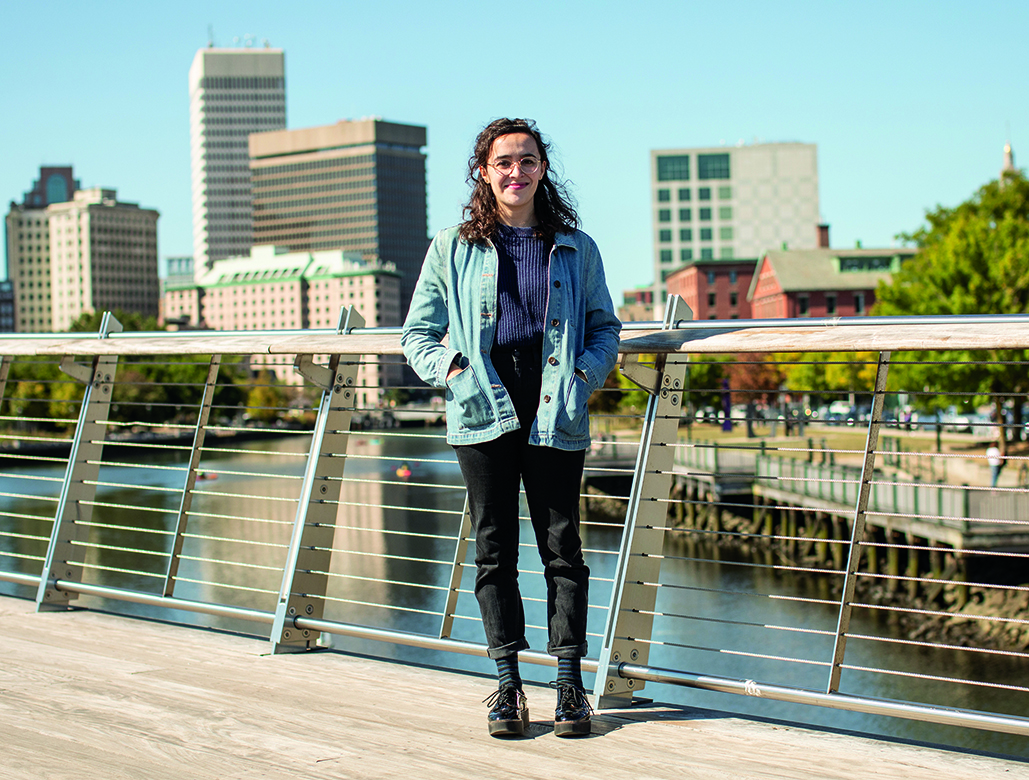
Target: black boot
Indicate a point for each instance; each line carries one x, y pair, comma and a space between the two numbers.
572, 716
509, 712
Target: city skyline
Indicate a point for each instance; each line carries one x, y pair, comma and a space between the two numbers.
909, 104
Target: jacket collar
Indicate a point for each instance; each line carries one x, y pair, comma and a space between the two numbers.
565, 239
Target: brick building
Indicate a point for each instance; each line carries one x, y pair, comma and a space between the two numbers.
714, 289
821, 282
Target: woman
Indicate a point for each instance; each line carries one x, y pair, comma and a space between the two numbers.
532, 333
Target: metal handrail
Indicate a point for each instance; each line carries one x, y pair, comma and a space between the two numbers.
671, 341
712, 336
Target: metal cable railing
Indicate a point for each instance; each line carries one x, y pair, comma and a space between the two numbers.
744, 524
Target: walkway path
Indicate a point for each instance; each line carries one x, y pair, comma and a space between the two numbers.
84, 694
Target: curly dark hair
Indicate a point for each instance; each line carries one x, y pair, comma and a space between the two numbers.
553, 205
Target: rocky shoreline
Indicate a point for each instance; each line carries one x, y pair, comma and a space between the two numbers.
990, 616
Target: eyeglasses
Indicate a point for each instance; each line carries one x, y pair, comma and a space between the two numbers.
527, 165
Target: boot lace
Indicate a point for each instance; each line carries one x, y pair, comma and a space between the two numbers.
571, 696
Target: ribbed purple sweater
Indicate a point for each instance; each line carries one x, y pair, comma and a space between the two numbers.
522, 281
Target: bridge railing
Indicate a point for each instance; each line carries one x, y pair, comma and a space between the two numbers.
133, 473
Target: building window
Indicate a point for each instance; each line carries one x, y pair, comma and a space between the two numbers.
704, 193
712, 166
707, 254
686, 254
673, 168
734, 298
725, 212
664, 196
726, 253
705, 234
56, 189
724, 193
830, 305
685, 193
733, 277
686, 234
859, 303
705, 215
666, 236
864, 264
725, 233
664, 215
666, 255
802, 306
685, 215
711, 277
710, 299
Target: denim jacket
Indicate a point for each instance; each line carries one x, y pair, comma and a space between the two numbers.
457, 293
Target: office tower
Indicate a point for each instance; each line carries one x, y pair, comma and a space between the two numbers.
103, 256
731, 202
358, 186
232, 93
28, 248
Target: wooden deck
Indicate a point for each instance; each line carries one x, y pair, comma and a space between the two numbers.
85, 694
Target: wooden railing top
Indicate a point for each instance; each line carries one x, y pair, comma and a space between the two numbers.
713, 337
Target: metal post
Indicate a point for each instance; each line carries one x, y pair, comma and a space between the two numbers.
74, 506
629, 622
457, 572
305, 578
186, 501
857, 530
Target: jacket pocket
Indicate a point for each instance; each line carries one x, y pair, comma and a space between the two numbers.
466, 403
575, 422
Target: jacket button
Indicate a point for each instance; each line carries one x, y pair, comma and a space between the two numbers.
552, 361
555, 322
546, 399
557, 283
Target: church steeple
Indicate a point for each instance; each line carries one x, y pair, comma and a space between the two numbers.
1009, 161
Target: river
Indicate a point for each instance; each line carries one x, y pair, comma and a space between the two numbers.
396, 547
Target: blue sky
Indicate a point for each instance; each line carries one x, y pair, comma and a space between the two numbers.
909, 102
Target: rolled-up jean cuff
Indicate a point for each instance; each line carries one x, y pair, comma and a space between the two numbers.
507, 650
567, 651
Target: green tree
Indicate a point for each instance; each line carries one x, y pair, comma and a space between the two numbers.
973, 259
704, 375
829, 373
267, 399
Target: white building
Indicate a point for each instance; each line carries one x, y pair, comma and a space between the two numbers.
28, 249
103, 257
232, 93
28, 268
731, 202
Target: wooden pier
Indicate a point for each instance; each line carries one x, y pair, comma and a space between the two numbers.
86, 694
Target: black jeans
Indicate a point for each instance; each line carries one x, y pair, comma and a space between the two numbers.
552, 478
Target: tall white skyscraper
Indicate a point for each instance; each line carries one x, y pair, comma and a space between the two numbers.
232, 93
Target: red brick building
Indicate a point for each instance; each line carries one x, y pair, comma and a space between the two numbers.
821, 282
715, 289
